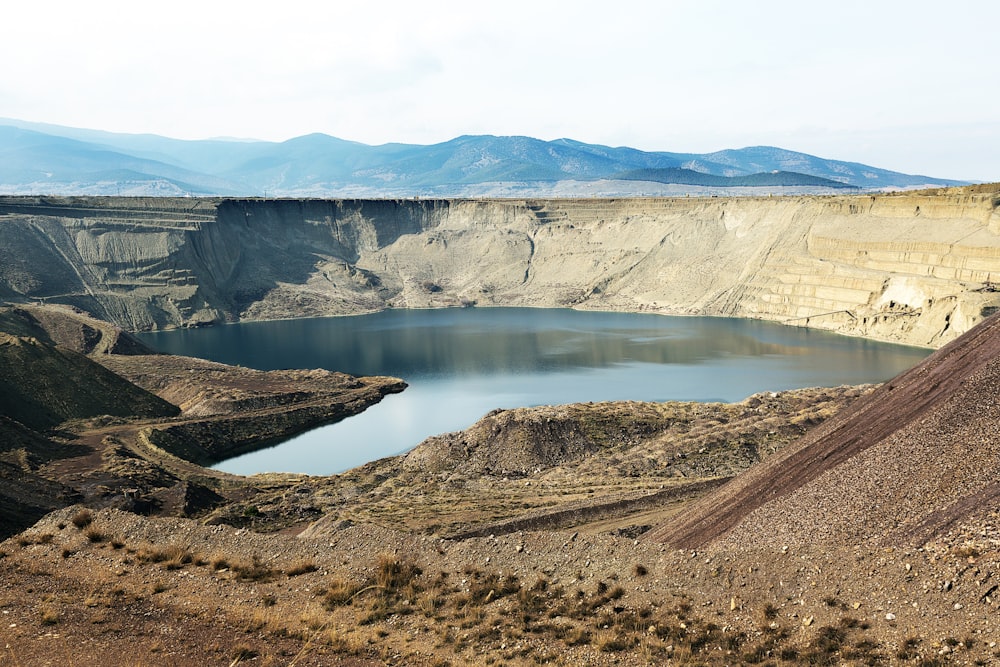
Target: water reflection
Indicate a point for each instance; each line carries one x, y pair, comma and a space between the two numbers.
451, 342
461, 363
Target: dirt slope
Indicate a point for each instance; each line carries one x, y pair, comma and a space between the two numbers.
914, 267
81, 421
901, 464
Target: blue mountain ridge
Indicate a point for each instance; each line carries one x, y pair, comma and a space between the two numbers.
49, 159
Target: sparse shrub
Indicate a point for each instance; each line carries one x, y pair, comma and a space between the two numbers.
176, 557
770, 612
486, 589
82, 519
269, 600
640, 570
533, 598
219, 562
612, 643
253, 571
28, 539
149, 553
173, 556
755, 655
908, 649
302, 567
256, 623
827, 642
340, 642
95, 535
49, 615
117, 543
578, 637
391, 573
864, 652
789, 654
339, 593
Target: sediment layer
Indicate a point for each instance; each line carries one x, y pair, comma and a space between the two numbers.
917, 268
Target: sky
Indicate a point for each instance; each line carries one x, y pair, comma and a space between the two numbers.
908, 86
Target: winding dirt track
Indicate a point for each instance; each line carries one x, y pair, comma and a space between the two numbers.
902, 401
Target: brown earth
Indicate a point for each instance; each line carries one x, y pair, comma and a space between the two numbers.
857, 535
81, 423
921, 448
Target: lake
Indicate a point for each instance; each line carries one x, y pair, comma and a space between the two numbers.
462, 363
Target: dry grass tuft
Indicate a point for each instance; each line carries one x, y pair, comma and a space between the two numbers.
49, 616
339, 593
392, 574
95, 535
173, 556
302, 567
82, 519
253, 570
218, 562
29, 539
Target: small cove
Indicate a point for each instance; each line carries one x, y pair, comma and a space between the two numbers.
462, 363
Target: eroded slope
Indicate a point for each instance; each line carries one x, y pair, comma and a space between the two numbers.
911, 267
902, 465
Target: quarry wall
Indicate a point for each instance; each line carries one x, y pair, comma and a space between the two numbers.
916, 267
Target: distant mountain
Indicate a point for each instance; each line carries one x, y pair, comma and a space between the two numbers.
762, 179
53, 164
47, 159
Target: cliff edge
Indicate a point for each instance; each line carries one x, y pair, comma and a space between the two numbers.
914, 267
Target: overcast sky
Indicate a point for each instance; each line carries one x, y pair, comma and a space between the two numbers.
909, 86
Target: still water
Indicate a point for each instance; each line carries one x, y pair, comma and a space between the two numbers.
462, 363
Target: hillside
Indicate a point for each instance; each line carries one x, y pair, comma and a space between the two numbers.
47, 159
42, 386
87, 414
820, 526
908, 463
917, 268
774, 179
526, 539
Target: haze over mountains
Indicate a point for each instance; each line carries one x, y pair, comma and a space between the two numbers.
48, 159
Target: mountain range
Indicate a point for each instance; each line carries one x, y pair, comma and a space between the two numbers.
48, 159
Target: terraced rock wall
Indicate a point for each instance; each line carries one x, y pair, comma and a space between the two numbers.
917, 268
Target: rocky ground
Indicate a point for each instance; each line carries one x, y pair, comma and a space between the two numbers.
569, 535
135, 437
82, 588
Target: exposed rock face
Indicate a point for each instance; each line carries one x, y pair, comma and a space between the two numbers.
913, 267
